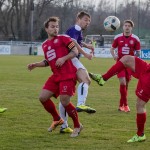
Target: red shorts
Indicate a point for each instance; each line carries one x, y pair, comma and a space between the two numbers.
66, 87
143, 86
125, 73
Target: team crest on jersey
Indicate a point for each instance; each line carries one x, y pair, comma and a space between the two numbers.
49, 47
131, 41
56, 41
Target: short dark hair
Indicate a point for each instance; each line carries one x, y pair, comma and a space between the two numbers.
51, 19
129, 21
82, 14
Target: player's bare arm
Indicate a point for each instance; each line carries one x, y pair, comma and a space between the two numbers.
73, 53
89, 46
89, 56
137, 53
43, 63
112, 51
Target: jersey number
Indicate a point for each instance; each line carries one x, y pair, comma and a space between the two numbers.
51, 54
125, 50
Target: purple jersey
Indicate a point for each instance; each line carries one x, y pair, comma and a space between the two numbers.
75, 32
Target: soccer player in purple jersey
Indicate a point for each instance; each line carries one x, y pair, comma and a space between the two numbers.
75, 32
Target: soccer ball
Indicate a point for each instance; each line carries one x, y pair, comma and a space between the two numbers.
111, 23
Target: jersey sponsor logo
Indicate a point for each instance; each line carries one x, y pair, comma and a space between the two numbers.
125, 50
51, 54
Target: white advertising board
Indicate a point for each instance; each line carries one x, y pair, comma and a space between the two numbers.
101, 52
5, 49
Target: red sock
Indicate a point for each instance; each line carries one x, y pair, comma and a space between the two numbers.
71, 110
115, 69
140, 121
50, 107
123, 94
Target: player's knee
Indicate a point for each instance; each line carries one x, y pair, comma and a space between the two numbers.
140, 107
125, 59
88, 81
42, 98
85, 78
65, 99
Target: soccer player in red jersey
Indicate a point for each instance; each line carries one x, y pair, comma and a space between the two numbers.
140, 70
125, 43
58, 50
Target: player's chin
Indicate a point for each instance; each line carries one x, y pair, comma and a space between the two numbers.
84, 28
55, 34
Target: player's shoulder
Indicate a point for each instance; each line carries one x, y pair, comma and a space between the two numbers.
135, 37
75, 28
63, 36
44, 42
118, 36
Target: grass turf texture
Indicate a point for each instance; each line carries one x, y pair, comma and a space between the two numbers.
24, 125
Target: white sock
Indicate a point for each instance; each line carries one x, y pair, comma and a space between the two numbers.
63, 115
82, 93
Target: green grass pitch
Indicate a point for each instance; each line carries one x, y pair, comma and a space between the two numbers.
24, 125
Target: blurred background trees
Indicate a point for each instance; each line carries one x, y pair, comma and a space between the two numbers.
23, 19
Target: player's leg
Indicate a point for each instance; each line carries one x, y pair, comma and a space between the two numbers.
143, 96
140, 121
49, 106
2, 110
125, 62
51, 89
65, 96
84, 81
123, 79
63, 114
123, 92
71, 110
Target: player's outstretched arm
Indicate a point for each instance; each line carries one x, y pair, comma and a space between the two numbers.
80, 50
43, 63
89, 46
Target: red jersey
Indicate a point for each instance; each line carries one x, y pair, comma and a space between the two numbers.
56, 48
126, 45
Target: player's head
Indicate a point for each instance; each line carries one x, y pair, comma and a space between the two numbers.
83, 19
52, 26
127, 26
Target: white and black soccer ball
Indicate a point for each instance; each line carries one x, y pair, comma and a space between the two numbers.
111, 23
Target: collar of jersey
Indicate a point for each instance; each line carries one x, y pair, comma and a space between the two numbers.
77, 27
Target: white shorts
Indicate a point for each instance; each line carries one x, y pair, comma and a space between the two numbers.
77, 63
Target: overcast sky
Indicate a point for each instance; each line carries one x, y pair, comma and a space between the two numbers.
118, 1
